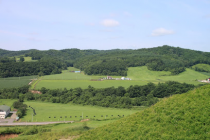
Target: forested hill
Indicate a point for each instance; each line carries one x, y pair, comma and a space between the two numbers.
6, 53
116, 62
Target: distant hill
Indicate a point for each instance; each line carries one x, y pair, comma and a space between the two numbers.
116, 62
184, 116
6, 53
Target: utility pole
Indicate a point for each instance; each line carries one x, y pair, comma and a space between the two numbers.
32, 117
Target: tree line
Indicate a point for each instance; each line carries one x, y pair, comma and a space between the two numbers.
119, 97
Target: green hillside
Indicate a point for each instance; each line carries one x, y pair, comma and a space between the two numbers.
142, 73
201, 67
184, 116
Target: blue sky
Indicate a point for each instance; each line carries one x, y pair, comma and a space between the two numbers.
104, 24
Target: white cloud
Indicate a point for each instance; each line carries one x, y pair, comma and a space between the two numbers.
110, 23
161, 32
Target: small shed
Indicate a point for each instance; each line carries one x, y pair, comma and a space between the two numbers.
77, 71
4, 111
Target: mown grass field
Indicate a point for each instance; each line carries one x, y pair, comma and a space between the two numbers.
139, 76
13, 82
44, 110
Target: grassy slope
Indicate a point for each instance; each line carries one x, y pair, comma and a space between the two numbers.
142, 73
139, 76
184, 116
205, 67
44, 110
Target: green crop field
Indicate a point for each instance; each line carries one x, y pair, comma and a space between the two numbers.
44, 110
13, 82
139, 76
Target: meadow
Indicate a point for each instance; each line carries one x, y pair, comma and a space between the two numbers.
46, 111
139, 76
13, 82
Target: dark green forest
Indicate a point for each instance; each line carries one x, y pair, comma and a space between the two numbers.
11, 68
120, 97
101, 62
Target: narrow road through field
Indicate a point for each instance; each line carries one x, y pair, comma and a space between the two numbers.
32, 123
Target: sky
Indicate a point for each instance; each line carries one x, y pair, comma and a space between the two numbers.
104, 24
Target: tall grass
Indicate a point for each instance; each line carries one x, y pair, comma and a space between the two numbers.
184, 116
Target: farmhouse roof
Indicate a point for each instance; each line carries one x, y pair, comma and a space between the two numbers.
4, 107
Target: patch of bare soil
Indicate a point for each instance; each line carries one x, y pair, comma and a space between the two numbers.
85, 120
35, 92
8, 136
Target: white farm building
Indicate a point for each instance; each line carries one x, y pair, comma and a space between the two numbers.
4, 111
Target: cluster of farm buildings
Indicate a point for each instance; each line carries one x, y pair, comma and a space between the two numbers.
205, 81
110, 78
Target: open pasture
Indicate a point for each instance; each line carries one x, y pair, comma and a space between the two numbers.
54, 84
44, 110
142, 73
139, 76
13, 82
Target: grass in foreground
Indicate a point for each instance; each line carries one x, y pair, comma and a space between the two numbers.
54, 131
184, 116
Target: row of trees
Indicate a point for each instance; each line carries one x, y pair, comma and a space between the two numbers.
120, 97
